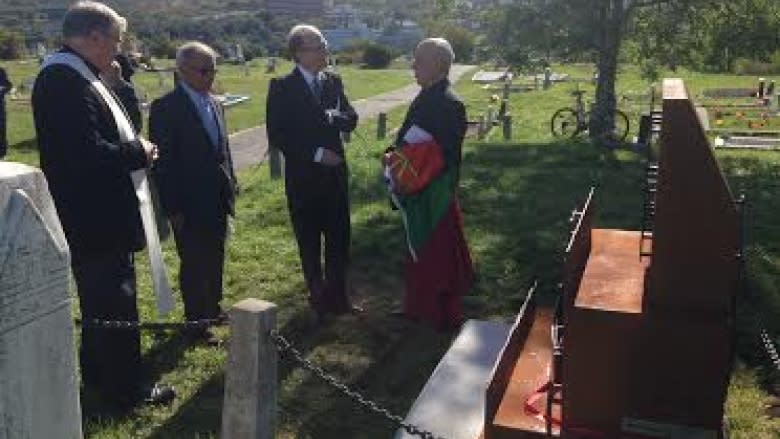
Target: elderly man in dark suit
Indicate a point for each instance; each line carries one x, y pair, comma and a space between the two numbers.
307, 111
439, 270
87, 151
195, 179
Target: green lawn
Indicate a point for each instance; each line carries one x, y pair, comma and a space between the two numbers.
516, 199
359, 83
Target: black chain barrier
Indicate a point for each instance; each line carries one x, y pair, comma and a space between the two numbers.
150, 326
766, 339
770, 348
285, 347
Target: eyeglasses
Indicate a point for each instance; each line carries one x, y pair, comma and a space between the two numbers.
322, 47
204, 71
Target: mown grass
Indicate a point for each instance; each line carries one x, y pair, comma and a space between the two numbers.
359, 83
516, 197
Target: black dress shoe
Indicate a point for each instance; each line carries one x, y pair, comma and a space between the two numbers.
158, 394
348, 309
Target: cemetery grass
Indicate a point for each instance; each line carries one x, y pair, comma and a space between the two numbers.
359, 83
516, 198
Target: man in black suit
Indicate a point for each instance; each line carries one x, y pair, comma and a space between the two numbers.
5, 87
195, 178
119, 78
82, 132
307, 111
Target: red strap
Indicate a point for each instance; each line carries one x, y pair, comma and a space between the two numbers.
530, 405
577, 431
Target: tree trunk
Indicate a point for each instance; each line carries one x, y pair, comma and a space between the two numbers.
602, 116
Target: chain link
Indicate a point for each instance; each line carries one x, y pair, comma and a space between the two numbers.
770, 348
152, 326
286, 347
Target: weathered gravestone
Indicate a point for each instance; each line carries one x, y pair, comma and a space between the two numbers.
38, 386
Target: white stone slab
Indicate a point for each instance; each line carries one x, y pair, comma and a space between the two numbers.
747, 142
38, 386
452, 403
484, 77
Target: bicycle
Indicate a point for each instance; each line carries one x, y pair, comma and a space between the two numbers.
569, 122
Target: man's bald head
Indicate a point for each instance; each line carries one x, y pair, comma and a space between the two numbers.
433, 58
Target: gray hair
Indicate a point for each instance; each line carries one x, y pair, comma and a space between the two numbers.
86, 16
193, 49
297, 38
442, 51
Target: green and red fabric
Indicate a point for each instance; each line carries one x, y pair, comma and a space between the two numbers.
439, 270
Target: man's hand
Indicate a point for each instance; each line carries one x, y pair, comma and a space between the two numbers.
330, 158
150, 149
331, 114
113, 76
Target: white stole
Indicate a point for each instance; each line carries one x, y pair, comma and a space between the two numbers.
162, 289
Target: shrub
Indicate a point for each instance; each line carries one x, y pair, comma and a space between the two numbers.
376, 56
745, 66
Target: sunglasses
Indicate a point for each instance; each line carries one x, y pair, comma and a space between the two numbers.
317, 48
205, 71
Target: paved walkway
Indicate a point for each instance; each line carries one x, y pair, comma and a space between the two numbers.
250, 146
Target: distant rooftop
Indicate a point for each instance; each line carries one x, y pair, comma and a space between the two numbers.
296, 8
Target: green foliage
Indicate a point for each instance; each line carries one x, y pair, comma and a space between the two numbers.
11, 44
461, 39
738, 36
745, 66
377, 56
352, 53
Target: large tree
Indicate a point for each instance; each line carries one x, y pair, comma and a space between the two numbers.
565, 28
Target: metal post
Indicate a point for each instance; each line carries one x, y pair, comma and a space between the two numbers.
508, 127
250, 405
482, 127
275, 161
381, 126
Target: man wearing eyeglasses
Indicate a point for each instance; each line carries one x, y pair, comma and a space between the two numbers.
88, 150
196, 183
307, 111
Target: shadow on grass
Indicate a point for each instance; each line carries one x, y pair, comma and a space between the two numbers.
516, 201
201, 414
756, 175
25, 145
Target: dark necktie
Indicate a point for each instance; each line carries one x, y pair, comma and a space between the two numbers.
316, 88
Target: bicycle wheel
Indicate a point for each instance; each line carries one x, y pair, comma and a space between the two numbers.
620, 129
564, 123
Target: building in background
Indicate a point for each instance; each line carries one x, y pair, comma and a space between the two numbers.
296, 8
344, 25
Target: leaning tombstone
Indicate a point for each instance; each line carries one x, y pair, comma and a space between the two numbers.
39, 396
